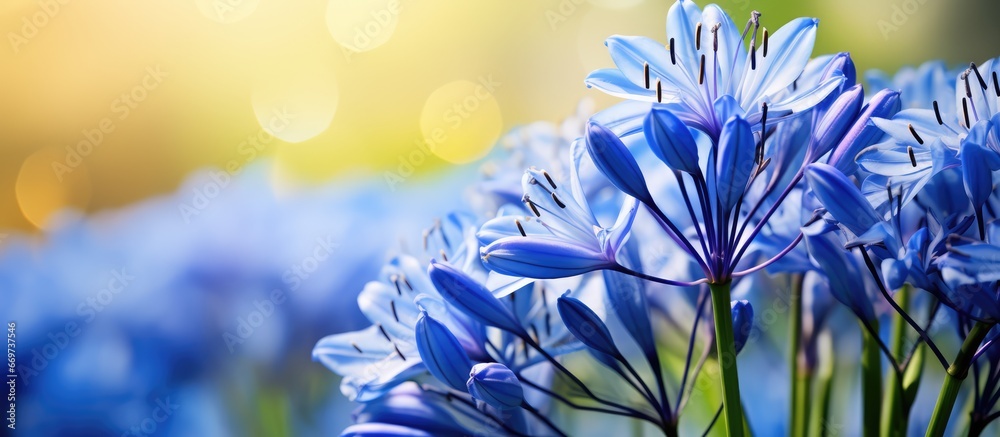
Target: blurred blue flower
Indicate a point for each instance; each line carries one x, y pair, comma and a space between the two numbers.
496, 385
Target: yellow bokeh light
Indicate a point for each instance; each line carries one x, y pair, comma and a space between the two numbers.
461, 120
362, 25
49, 181
297, 107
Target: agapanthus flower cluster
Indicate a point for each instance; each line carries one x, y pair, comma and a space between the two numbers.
738, 159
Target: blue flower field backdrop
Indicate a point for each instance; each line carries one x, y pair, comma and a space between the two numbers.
401, 218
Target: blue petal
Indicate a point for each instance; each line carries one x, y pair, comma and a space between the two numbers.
732, 55
742, 322
627, 297
736, 161
586, 326
409, 408
840, 268
367, 361
613, 82
978, 165
671, 141
790, 49
443, 355
496, 385
863, 133
632, 53
383, 430
542, 258
681, 21
841, 198
615, 161
472, 298
843, 112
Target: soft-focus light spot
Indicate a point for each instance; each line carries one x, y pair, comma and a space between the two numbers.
461, 121
296, 109
227, 11
50, 180
362, 25
616, 4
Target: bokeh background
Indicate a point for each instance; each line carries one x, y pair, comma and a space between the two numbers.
215, 149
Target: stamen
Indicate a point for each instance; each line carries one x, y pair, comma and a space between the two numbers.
996, 85
645, 71
715, 37
659, 91
982, 82
764, 53
357, 348
914, 133
937, 112
558, 202
395, 280
965, 109
534, 331
427, 234
697, 37
968, 89
444, 256
395, 315
546, 174
398, 352
762, 167
913, 157
548, 326
753, 56
888, 190
407, 282
673, 58
701, 75
520, 228
531, 205
384, 334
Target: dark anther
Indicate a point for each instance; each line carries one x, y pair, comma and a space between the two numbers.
645, 71
357, 348
548, 326
937, 112
534, 330
531, 205
398, 352
697, 37
407, 282
763, 166
395, 280
965, 110
914, 133
753, 56
384, 334
968, 89
395, 315
659, 91
982, 82
444, 256
764, 52
520, 228
549, 178
996, 85
913, 157
558, 202
673, 58
427, 233
701, 75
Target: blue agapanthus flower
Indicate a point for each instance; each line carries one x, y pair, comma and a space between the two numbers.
705, 73
926, 140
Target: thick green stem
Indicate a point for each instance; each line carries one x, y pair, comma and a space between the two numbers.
726, 348
799, 395
871, 382
894, 409
957, 372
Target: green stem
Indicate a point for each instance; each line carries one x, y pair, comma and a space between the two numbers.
953, 379
871, 382
799, 390
821, 426
894, 409
726, 349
